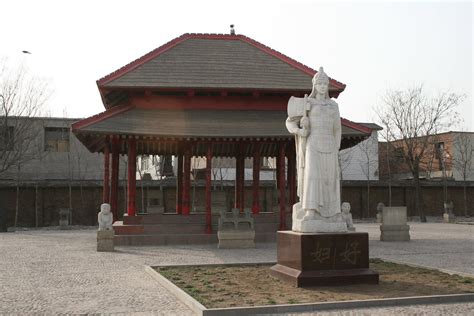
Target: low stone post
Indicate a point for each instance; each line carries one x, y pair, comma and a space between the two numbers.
394, 224
380, 207
105, 234
448, 216
64, 218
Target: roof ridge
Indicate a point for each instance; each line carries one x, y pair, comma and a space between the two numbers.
287, 59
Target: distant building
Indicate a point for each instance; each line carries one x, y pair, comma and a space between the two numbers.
54, 153
361, 162
442, 159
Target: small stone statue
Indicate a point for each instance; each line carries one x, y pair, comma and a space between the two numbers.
105, 217
380, 207
346, 214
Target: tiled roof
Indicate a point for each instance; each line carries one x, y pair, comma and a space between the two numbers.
214, 61
199, 123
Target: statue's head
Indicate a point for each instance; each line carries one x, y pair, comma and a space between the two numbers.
380, 207
346, 207
105, 208
320, 84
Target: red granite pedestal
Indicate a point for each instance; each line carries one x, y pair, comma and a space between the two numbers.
321, 259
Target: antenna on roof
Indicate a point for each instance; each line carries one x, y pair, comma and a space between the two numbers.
232, 31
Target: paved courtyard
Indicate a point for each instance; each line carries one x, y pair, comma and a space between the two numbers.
51, 272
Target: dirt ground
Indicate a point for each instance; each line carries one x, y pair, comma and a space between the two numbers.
252, 285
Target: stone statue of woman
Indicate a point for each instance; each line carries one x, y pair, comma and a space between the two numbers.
316, 124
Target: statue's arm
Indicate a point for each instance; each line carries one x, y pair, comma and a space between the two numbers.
293, 126
337, 128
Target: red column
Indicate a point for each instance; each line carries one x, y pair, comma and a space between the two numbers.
179, 185
186, 181
256, 180
208, 190
131, 177
239, 179
106, 187
291, 178
281, 186
114, 177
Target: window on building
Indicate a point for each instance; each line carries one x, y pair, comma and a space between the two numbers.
6, 138
56, 139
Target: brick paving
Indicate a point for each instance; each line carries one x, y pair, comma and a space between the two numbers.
59, 272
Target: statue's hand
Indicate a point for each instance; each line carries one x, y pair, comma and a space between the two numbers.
304, 122
303, 132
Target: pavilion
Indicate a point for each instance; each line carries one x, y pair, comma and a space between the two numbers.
207, 95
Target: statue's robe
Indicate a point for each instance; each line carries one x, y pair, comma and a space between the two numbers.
317, 154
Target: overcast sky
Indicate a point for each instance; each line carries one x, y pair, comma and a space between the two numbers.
369, 46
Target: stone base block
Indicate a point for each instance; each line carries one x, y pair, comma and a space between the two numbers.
320, 224
236, 238
105, 240
321, 259
395, 232
449, 218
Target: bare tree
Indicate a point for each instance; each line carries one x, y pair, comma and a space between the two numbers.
368, 162
22, 96
463, 160
412, 119
344, 159
388, 162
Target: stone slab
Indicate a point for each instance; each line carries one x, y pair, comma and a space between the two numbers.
319, 259
394, 215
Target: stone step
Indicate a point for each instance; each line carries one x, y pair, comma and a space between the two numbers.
179, 239
192, 218
188, 228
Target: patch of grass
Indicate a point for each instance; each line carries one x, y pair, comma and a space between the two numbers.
252, 285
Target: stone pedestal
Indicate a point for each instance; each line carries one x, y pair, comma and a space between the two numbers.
394, 224
449, 218
64, 218
322, 259
395, 233
236, 238
105, 240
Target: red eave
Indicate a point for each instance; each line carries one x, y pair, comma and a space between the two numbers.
101, 116
357, 127
156, 52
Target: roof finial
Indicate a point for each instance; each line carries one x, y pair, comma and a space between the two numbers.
232, 31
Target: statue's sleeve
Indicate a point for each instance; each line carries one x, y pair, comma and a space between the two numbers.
337, 128
292, 124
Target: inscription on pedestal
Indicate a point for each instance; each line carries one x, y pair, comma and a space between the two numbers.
323, 258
